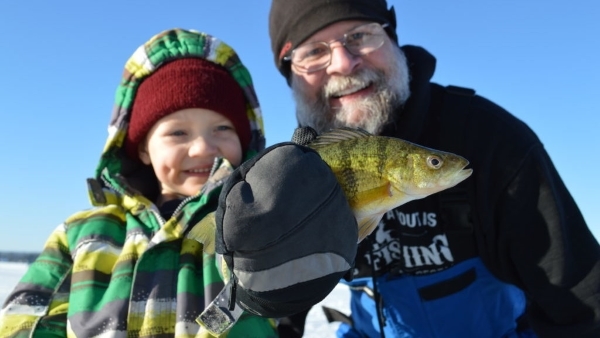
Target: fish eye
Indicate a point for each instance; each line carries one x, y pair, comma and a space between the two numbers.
434, 162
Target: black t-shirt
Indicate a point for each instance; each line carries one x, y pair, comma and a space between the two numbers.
169, 207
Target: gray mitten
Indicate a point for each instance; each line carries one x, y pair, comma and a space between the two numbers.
285, 230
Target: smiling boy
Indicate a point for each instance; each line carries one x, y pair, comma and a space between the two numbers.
187, 113
125, 268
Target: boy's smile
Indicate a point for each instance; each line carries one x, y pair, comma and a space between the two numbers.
182, 146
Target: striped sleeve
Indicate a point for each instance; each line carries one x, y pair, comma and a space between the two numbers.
40, 299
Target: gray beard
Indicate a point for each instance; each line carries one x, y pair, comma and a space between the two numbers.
391, 90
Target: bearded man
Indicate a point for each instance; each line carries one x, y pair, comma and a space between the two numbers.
506, 253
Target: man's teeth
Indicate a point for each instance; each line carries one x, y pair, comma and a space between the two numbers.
348, 91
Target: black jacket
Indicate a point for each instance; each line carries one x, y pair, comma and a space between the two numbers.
527, 228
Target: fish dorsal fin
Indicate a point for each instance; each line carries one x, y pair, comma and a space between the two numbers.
338, 135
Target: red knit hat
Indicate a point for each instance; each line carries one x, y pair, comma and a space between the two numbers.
181, 84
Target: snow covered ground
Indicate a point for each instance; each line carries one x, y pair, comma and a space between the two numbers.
316, 324
10, 273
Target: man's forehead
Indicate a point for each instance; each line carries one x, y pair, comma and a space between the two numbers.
335, 30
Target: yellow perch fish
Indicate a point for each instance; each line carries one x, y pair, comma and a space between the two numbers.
378, 173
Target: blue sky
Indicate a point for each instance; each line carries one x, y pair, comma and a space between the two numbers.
61, 61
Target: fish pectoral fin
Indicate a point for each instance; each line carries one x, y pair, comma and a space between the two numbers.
364, 198
204, 232
367, 225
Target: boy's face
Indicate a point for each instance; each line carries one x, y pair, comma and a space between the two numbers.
182, 146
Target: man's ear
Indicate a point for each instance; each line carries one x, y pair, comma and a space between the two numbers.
143, 153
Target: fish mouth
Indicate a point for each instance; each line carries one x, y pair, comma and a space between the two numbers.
458, 176
465, 173
462, 174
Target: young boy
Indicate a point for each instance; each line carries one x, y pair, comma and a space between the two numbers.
125, 268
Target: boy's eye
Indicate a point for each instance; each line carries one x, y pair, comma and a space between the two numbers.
224, 128
177, 133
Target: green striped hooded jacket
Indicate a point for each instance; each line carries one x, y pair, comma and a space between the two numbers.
119, 269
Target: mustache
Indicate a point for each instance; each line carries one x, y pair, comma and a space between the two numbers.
363, 78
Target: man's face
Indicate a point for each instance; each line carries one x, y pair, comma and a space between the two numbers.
353, 91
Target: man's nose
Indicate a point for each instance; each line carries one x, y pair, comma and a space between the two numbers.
342, 61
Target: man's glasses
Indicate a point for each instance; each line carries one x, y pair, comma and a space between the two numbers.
361, 40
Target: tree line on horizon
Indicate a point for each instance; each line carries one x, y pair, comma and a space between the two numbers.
18, 257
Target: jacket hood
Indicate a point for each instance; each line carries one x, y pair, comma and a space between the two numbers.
115, 170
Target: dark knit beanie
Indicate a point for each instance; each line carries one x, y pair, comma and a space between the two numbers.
181, 84
292, 22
